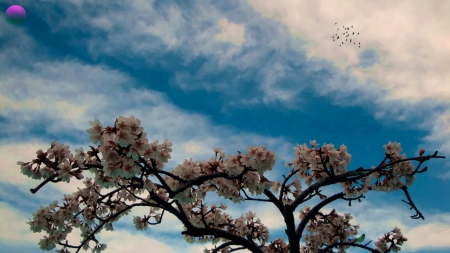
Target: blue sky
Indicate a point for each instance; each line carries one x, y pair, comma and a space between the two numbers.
231, 74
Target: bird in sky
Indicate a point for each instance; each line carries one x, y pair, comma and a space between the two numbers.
352, 26
335, 23
358, 33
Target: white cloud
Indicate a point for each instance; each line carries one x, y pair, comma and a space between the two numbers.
124, 241
231, 32
428, 236
14, 226
192, 148
266, 211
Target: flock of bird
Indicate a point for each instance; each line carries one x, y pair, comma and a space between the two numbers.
346, 34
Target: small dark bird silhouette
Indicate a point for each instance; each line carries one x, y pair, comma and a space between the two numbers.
354, 43
338, 29
342, 42
353, 33
360, 43
352, 26
359, 46
345, 39
333, 40
358, 33
338, 37
335, 23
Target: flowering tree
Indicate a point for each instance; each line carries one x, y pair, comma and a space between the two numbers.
130, 166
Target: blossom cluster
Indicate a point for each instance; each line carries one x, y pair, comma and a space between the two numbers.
394, 237
327, 229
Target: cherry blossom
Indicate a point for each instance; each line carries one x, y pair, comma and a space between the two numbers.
132, 166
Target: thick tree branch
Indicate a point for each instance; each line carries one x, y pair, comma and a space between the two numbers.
195, 231
294, 240
294, 244
223, 245
236, 249
329, 247
274, 200
313, 212
238, 240
203, 178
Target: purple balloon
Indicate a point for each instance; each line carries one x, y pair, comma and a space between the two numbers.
15, 15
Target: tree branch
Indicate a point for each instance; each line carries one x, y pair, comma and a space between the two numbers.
418, 214
255, 199
44, 183
313, 212
100, 226
329, 247
223, 245
250, 245
283, 185
355, 175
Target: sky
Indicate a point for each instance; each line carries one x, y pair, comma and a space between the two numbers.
230, 74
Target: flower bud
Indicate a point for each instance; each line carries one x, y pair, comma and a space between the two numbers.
421, 152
